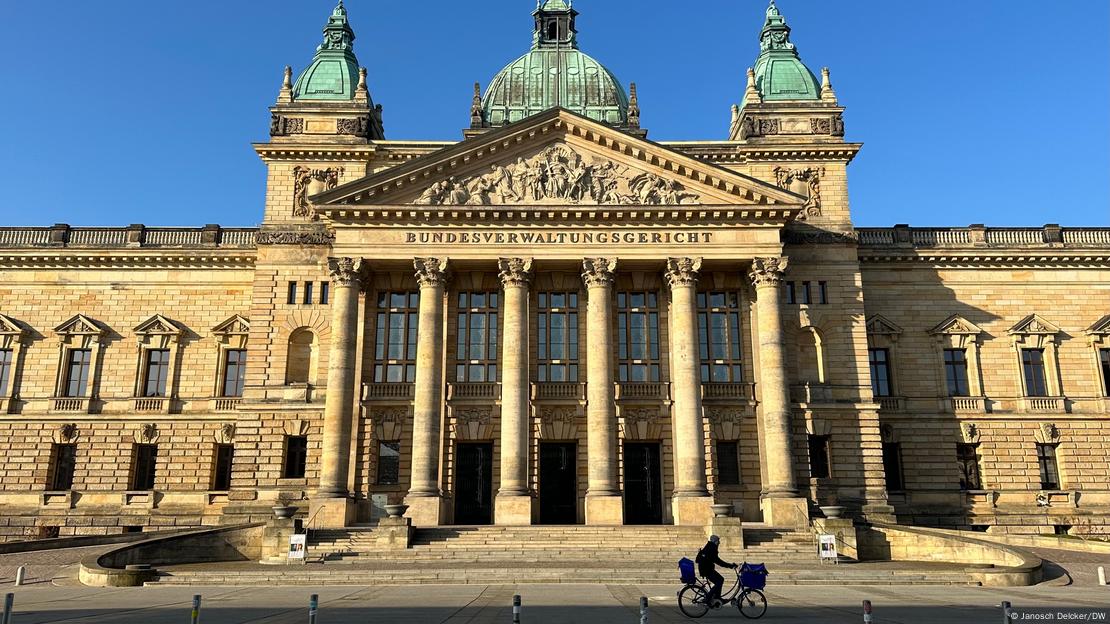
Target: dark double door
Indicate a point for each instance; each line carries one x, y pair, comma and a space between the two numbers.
643, 488
558, 483
474, 483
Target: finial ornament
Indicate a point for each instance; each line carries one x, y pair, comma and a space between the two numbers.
287, 80
827, 92
751, 91
633, 108
476, 117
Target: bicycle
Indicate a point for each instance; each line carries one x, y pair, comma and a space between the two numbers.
750, 601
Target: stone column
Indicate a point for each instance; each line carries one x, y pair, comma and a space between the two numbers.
513, 505
691, 502
603, 494
333, 507
781, 505
424, 497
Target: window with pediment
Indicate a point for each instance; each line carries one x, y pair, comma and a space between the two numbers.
80, 348
882, 351
1098, 336
12, 337
1035, 342
159, 343
958, 341
231, 356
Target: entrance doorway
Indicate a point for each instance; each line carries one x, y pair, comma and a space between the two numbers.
474, 483
558, 485
643, 487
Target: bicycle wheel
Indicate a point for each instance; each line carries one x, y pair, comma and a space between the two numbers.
691, 601
752, 604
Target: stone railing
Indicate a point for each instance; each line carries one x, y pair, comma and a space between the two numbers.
388, 391
554, 390
981, 236
712, 390
473, 390
225, 404
138, 235
647, 390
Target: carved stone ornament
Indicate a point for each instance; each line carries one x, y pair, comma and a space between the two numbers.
886, 432
768, 126
811, 176
295, 427
1049, 433
226, 433
515, 271
820, 125
303, 179
724, 415
814, 236
767, 271
747, 127
641, 423
358, 126
837, 125
389, 422
479, 415
294, 238
345, 272
147, 433
969, 432
280, 125
683, 271
66, 433
431, 272
599, 271
558, 175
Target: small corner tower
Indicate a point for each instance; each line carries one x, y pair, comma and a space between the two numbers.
783, 100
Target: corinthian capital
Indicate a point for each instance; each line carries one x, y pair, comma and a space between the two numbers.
599, 271
683, 271
430, 271
345, 271
767, 271
515, 271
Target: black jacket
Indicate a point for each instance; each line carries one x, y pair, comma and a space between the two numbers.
709, 557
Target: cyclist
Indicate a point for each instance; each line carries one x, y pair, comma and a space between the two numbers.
708, 558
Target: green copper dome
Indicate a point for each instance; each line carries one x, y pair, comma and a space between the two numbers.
555, 73
333, 74
779, 72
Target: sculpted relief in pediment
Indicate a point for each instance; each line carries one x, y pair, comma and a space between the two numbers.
559, 175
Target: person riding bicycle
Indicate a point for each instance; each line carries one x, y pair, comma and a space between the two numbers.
708, 558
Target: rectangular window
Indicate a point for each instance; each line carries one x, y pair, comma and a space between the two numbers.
5, 370
395, 337
805, 293
157, 371
221, 471
325, 287
719, 337
144, 466
880, 371
292, 298
1050, 472
235, 372
892, 466
557, 348
819, 467
77, 372
389, 463
296, 457
967, 455
955, 371
1032, 364
728, 462
1104, 360
822, 292
63, 461
476, 355
788, 292
638, 336
307, 293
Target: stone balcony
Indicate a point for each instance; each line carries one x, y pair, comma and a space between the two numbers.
964, 405
643, 391
474, 391
558, 391
388, 392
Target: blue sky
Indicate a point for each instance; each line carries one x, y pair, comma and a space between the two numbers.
122, 111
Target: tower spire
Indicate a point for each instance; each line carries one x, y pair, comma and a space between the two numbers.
334, 72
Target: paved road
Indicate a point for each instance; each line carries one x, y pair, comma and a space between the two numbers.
554, 604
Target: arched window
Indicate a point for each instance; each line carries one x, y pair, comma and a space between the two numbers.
811, 356
300, 362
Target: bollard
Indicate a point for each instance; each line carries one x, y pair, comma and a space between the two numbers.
20, 575
196, 609
1006, 611
516, 609
9, 601
643, 610
1101, 575
866, 612
313, 606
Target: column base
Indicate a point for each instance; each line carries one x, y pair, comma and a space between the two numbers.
880, 512
731, 532
512, 509
844, 529
605, 509
785, 513
331, 513
425, 510
692, 510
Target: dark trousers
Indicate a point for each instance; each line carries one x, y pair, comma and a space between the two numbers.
718, 582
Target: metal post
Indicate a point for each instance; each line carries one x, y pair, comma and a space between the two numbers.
196, 609
516, 609
643, 610
20, 575
1006, 611
9, 601
866, 612
313, 606
1101, 575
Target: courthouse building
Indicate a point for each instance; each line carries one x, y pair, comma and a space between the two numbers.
555, 320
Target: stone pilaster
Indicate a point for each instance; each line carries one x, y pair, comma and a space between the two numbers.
513, 505
333, 506
603, 495
781, 504
424, 498
691, 502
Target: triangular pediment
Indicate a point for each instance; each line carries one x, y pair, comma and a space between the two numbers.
1100, 327
557, 158
80, 324
10, 326
1034, 325
879, 325
234, 325
158, 325
956, 324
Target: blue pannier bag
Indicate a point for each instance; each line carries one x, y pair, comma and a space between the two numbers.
686, 569
753, 575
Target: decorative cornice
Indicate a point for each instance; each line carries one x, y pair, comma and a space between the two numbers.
979, 260
123, 260
767, 271
292, 237
683, 271
809, 236
599, 272
431, 272
346, 272
546, 215
515, 271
